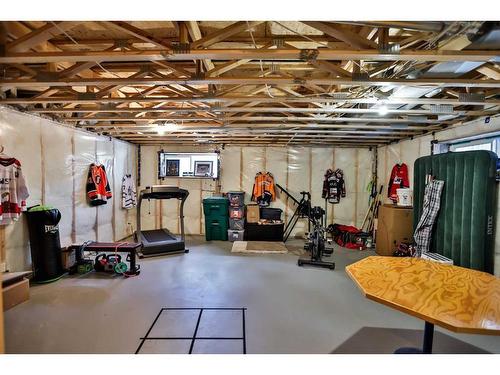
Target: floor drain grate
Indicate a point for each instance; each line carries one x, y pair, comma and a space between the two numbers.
196, 330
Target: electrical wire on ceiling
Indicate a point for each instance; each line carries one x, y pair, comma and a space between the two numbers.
260, 61
97, 62
315, 41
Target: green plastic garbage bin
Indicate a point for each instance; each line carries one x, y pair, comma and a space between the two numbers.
216, 218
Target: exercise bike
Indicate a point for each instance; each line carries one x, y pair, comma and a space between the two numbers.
316, 243
316, 239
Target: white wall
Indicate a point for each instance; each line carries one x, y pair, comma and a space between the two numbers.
410, 150
294, 168
55, 159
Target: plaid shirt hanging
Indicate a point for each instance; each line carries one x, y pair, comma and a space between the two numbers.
432, 203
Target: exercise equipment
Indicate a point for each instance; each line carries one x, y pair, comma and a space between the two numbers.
111, 263
316, 242
104, 262
302, 210
43, 227
161, 241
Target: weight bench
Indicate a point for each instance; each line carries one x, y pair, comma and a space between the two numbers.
132, 248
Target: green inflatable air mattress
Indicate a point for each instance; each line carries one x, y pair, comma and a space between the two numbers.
465, 223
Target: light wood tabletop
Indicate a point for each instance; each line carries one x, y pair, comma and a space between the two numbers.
456, 298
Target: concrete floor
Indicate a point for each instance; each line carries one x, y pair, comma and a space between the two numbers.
289, 309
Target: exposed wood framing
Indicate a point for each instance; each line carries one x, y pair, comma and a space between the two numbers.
318, 83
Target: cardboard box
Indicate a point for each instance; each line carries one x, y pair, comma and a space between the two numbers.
395, 225
253, 213
15, 294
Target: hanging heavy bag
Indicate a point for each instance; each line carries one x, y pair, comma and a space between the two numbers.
44, 243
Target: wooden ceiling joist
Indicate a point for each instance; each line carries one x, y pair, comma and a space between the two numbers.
247, 53
224, 33
346, 36
295, 83
39, 36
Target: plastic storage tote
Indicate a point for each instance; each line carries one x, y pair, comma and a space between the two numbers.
236, 212
236, 198
270, 213
235, 235
237, 224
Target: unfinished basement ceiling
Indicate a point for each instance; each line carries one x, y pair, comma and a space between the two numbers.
253, 82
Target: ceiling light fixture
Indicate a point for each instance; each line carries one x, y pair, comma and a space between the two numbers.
383, 110
165, 127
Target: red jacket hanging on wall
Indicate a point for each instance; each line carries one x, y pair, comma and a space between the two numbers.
98, 190
399, 179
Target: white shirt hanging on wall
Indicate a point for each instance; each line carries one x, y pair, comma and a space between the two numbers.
129, 199
13, 190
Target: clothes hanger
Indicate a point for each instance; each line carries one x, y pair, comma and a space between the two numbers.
2, 154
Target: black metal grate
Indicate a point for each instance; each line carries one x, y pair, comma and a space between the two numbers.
194, 337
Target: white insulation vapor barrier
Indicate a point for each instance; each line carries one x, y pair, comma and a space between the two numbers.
294, 168
55, 161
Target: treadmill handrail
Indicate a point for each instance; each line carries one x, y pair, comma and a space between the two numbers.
150, 193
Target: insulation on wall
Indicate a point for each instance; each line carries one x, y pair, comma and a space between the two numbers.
85, 215
104, 222
295, 168
55, 160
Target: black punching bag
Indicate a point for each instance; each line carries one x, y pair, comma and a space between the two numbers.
45, 244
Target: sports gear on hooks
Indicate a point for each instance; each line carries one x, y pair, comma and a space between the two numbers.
399, 179
13, 190
333, 186
263, 191
98, 190
129, 199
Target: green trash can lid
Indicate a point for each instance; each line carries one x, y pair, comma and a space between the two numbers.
40, 208
216, 200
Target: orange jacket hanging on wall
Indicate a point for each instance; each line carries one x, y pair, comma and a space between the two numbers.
263, 189
98, 190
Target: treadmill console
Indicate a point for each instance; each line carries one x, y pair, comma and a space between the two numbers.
164, 192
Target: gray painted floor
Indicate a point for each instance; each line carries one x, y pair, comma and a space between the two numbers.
289, 309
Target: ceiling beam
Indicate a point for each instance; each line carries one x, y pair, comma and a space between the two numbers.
248, 109
344, 35
248, 53
354, 120
222, 34
490, 70
134, 31
434, 82
332, 68
246, 99
226, 67
195, 33
40, 35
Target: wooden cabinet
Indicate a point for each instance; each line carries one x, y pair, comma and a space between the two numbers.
395, 225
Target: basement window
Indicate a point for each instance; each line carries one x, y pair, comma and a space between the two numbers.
486, 142
188, 165
491, 144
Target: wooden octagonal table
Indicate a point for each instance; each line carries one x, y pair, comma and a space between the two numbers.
456, 298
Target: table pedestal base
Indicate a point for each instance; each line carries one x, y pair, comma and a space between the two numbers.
427, 346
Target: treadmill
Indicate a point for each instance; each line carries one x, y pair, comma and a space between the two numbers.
161, 241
